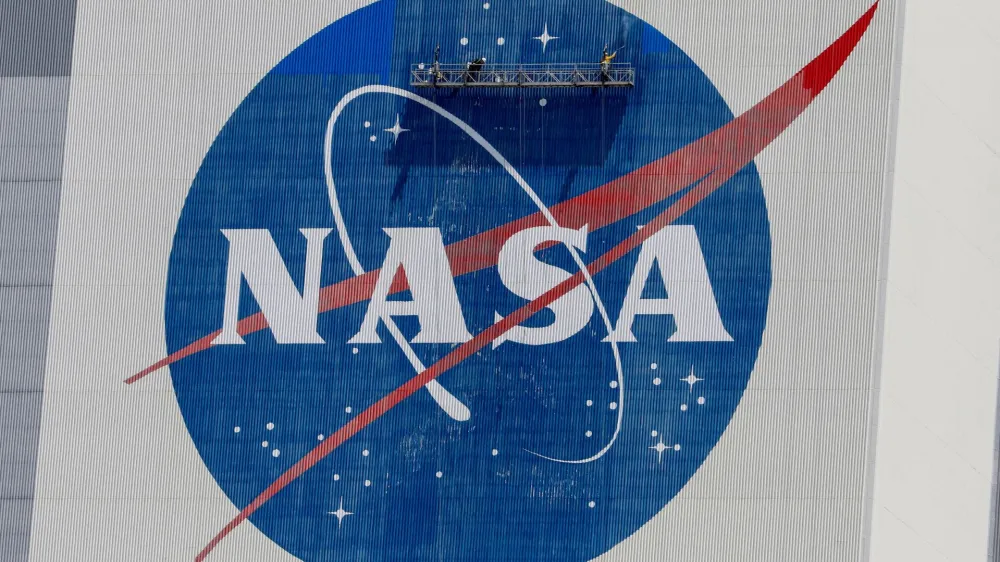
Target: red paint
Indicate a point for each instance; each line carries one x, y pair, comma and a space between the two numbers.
719, 155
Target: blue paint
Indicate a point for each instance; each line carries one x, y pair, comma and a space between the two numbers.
265, 170
367, 52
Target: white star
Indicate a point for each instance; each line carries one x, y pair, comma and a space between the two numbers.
545, 37
340, 514
396, 130
659, 448
691, 380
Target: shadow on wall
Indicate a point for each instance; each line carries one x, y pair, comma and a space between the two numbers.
531, 128
570, 128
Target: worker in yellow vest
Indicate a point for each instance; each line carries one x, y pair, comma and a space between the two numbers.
606, 63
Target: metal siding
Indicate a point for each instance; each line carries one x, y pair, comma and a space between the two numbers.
32, 132
788, 481
36, 38
35, 52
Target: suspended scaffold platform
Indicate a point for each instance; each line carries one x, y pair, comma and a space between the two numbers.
582, 75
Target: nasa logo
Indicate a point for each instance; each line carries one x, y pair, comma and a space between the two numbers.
578, 279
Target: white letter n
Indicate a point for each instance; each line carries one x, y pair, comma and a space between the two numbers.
254, 256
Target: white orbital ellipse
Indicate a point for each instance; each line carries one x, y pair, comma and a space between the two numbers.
451, 405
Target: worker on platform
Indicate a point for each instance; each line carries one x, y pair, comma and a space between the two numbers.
606, 63
474, 68
436, 68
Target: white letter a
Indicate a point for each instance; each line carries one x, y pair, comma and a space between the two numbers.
690, 299
421, 254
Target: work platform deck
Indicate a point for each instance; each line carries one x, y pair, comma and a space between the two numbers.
584, 75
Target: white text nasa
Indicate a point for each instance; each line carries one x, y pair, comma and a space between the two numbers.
420, 252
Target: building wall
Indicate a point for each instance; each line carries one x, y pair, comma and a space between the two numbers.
936, 455
35, 49
119, 475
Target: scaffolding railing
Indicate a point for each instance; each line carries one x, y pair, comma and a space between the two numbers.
581, 75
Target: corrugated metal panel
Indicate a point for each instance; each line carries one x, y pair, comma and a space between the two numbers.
36, 38
152, 89
35, 50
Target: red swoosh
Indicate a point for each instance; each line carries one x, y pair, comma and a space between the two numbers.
720, 155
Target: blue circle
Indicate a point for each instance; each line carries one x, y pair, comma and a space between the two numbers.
419, 485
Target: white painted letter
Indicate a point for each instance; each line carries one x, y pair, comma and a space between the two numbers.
420, 252
529, 278
690, 299
254, 256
